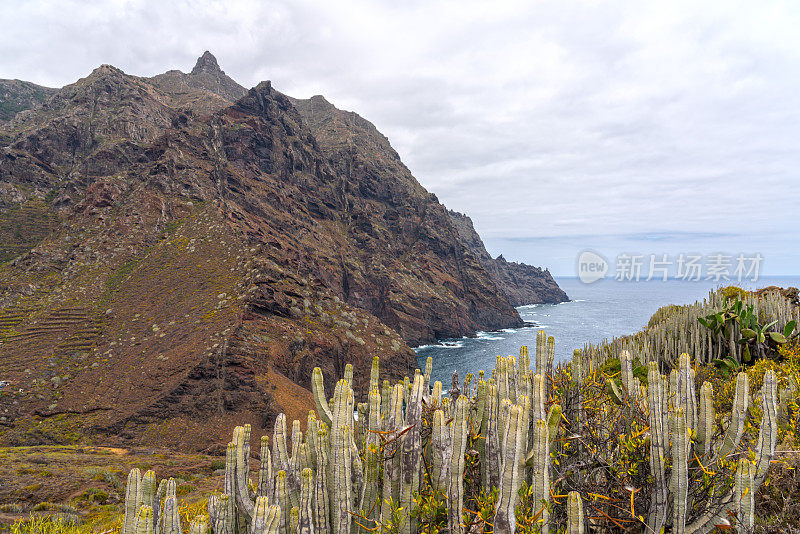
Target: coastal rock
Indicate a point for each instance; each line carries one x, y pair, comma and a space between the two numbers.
520, 283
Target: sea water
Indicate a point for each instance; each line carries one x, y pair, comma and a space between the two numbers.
597, 311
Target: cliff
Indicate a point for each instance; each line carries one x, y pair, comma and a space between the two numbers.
519, 283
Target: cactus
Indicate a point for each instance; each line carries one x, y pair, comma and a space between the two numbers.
391, 464
148, 486
321, 491
171, 520
370, 493
440, 442
538, 400
411, 451
511, 477
341, 489
680, 470
427, 376
768, 431
199, 525
241, 439
705, 422
143, 523
738, 417
341, 483
630, 382
541, 352
574, 513
133, 499
491, 473
744, 491
258, 523
305, 517
338, 466
541, 470
318, 390
658, 443
455, 471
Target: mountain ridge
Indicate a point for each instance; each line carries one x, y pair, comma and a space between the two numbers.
207, 255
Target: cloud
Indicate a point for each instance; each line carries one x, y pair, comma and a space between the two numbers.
539, 119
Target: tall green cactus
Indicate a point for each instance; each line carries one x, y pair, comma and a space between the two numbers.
341, 486
705, 421
738, 416
659, 438
541, 352
199, 525
171, 520
133, 499
318, 390
392, 459
261, 516
440, 443
411, 452
143, 523
224, 514
680, 470
491, 473
322, 515
306, 515
744, 490
575, 521
455, 470
511, 476
282, 500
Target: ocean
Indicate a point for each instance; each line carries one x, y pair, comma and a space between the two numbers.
603, 309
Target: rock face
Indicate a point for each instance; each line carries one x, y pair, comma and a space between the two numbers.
16, 96
186, 260
205, 89
427, 284
521, 284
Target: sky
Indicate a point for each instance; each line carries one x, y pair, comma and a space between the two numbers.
558, 126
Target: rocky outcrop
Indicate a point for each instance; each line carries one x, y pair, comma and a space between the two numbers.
17, 96
204, 90
426, 283
200, 256
520, 283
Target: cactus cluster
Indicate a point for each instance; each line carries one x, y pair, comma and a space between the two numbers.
528, 429
680, 331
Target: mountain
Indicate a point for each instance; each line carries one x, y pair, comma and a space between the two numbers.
16, 96
519, 283
181, 261
204, 90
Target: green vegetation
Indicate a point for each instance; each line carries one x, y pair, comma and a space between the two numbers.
610, 444
629, 442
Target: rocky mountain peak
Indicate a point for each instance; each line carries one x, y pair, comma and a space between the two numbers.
207, 63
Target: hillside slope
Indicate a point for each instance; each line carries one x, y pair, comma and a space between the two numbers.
184, 260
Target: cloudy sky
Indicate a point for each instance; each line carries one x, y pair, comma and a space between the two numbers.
559, 126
